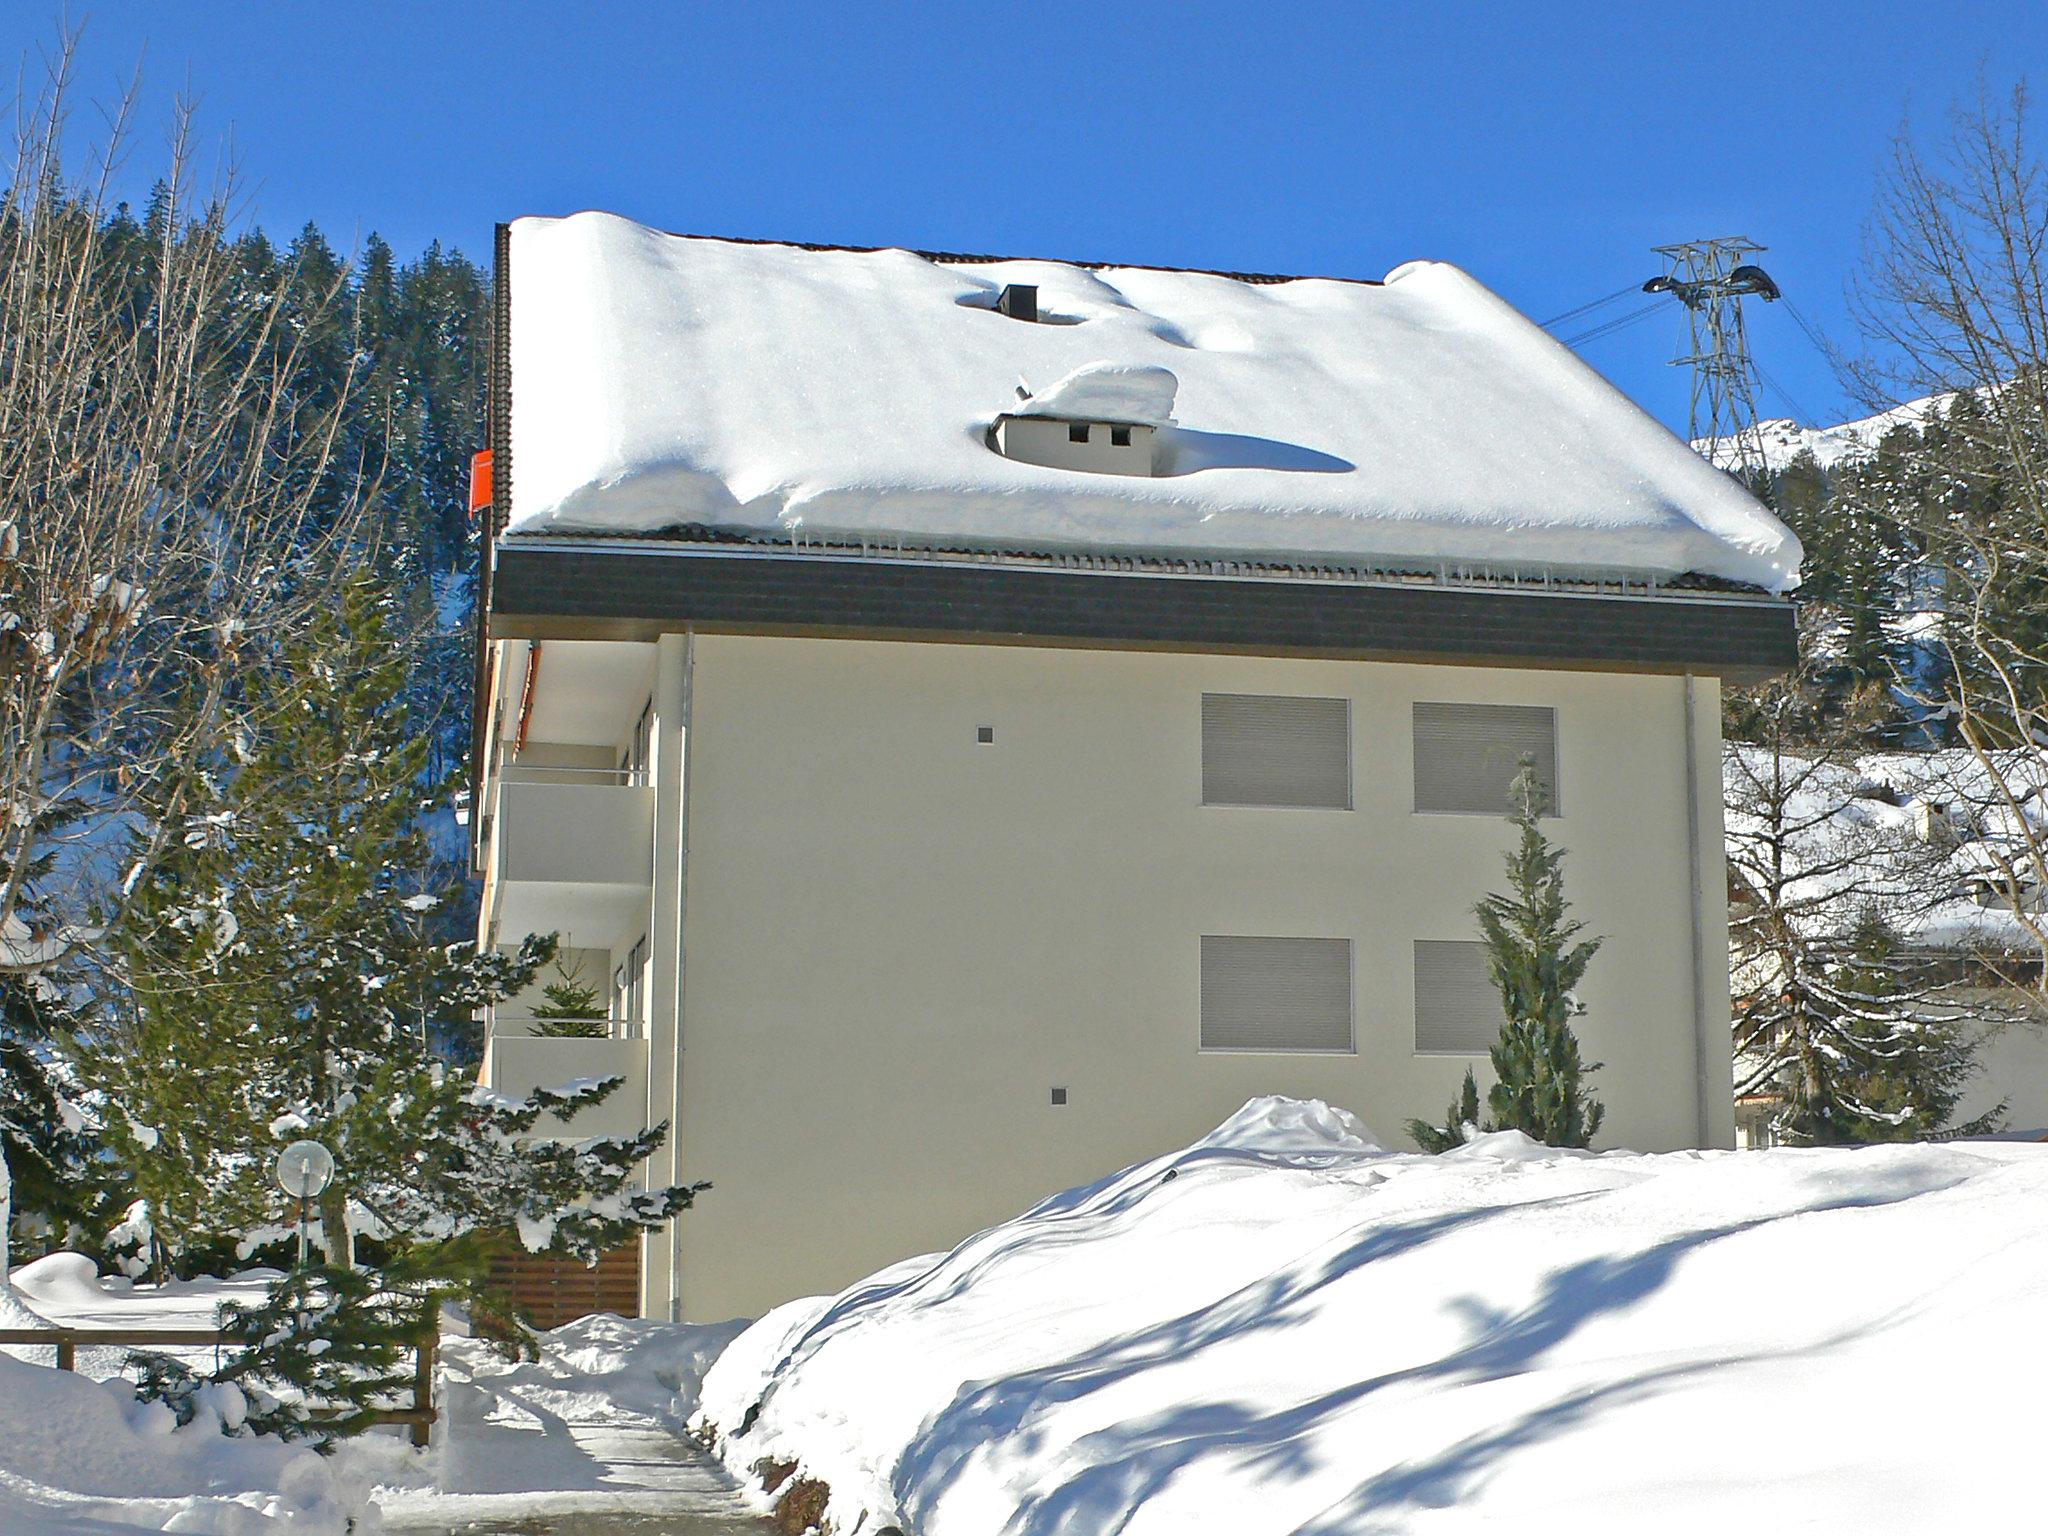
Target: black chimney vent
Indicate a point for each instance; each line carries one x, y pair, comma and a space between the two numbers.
1019, 301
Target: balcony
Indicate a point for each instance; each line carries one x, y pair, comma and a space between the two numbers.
571, 851
517, 1064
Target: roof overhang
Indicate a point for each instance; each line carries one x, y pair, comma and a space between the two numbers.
561, 589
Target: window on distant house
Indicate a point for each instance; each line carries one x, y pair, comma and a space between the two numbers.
1275, 994
1467, 756
1277, 750
1077, 432
1457, 1007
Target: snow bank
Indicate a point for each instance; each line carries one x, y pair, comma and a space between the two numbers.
1244, 1341
60, 1280
660, 381
78, 1454
1292, 1126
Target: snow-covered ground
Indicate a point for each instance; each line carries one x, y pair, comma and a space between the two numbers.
1283, 1328
1287, 1329
593, 1425
79, 1454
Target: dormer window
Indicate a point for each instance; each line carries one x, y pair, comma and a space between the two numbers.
1019, 301
1091, 447
1101, 419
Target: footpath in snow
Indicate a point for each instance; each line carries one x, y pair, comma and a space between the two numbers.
593, 1428
1286, 1328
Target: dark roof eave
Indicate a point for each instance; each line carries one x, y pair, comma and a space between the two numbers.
568, 590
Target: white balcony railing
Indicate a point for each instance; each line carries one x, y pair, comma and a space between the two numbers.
517, 1064
571, 851
528, 1025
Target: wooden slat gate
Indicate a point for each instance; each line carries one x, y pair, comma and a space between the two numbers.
553, 1290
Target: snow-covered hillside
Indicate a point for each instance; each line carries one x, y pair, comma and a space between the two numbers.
1287, 1329
1784, 439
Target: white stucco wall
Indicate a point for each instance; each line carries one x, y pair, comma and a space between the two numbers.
2012, 1069
896, 940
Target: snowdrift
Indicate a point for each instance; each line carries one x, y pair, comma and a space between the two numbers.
1287, 1328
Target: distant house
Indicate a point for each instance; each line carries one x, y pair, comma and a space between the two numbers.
1938, 851
986, 719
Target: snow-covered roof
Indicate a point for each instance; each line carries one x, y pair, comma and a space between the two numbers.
1853, 839
664, 381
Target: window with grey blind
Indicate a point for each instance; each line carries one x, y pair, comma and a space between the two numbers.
1268, 994
1270, 749
1457, 1006
1467, 755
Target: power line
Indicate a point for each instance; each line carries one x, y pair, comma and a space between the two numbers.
1590, 304
1813, 334
1621, 322
1800, 413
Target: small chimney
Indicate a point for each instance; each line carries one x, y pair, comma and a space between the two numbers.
1019, 301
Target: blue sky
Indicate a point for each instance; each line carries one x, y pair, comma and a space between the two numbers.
1545, 147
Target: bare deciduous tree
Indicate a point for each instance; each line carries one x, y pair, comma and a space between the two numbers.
168, 476
1852, 950
1954, 302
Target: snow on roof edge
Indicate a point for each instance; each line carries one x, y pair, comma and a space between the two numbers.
648, 467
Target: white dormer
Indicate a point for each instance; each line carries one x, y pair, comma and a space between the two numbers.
1103, 418
1095, 447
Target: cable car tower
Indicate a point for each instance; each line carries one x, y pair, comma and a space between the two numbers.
1711, 278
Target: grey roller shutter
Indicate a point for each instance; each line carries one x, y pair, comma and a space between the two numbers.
1267, 994
1457, 1007
1267, 749
1467, 755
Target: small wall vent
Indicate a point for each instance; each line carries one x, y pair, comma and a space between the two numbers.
1019, 301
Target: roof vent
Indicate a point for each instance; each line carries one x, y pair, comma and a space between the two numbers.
1019, 301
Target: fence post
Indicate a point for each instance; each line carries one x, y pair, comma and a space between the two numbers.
423, 1380
67, 1352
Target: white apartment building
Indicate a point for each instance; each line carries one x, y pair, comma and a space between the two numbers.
986, 719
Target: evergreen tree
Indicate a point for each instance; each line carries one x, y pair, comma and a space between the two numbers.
571, 1008
285, 983
44, 1138
1538, 1085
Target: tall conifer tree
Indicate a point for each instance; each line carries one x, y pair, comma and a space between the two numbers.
286, 983
1536, 960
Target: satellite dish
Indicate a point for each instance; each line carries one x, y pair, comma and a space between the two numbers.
304, 1169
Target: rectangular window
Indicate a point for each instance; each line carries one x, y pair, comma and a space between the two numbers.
1457, 1006
1077, 431
1267, 994
1119, 437
1263, 749
1467, 756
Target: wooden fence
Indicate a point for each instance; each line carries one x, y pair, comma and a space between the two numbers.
65, 1340
552, 1290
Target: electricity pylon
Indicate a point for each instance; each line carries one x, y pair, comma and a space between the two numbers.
1711, 278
